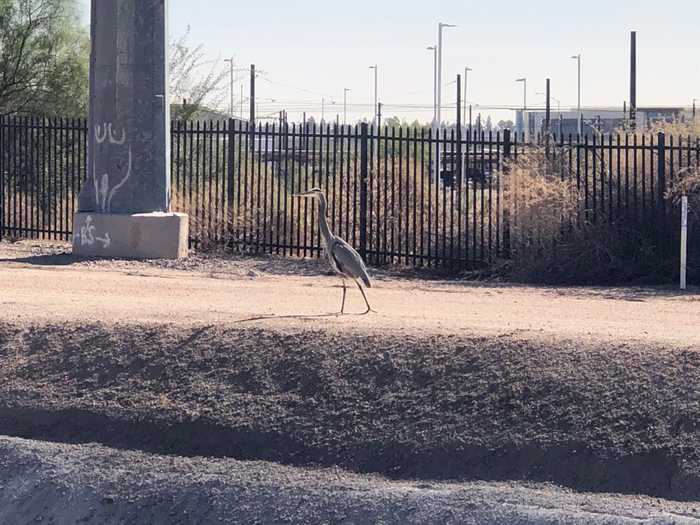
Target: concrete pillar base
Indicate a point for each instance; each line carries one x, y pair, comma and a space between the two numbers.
140, 236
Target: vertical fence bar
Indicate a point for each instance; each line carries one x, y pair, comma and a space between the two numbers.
393, 194
13, 178
414, 177
478, 174
24, 176
661, 206
2, 177
363, 188
288, 181
401, 207
644, 177
218, 202
506, 204
62, 174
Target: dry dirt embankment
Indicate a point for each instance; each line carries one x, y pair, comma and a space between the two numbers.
595, 390
59, 483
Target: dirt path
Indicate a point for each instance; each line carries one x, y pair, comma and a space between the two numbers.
55, 288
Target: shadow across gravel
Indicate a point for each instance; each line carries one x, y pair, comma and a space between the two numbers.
593, 417
574, 464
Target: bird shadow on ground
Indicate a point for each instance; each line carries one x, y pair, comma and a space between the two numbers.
299, 316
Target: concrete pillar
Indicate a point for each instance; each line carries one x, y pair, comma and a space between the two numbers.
127, 192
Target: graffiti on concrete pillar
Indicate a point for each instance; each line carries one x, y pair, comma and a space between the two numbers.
87, 236
105, 189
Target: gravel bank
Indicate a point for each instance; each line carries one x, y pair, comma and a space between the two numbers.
56, 483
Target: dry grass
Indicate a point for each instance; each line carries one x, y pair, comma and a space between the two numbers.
554, 238
407, 218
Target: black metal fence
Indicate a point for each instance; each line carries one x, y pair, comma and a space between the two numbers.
401, 196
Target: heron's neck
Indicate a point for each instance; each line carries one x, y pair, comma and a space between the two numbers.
323, 220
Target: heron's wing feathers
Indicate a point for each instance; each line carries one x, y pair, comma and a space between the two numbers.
349, 261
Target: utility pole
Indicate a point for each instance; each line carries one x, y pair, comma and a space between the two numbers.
252, 95
230, 61
525, 123
547, 118
458, 165
470, 117
459, 102
441, 26
375, 91
578, 106
694, 101
345, 106
434, 50
466, 77
633, 80
251, 123
379, 115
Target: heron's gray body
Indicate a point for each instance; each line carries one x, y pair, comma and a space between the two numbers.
342, 258
346, 261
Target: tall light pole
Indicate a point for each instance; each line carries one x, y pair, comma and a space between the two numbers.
524, 81
525, 123
230, 61
694, 101
577, 58
434, 50
345, 105
375, 90
441, 26
466, 73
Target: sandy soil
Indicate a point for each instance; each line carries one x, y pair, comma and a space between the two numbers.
593, 389
41, 282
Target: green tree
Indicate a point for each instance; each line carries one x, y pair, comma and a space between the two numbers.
194, 80
44, 57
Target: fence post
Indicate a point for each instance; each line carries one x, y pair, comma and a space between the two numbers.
229, 183
661, 188
2, 176
506, 209
364, 174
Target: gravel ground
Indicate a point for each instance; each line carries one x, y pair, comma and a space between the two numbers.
57, 483
243, 359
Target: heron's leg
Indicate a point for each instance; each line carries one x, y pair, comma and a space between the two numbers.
369, 308
342, 305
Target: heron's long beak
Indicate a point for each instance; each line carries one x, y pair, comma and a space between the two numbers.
309, 194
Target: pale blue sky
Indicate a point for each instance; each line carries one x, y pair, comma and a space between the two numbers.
324, 46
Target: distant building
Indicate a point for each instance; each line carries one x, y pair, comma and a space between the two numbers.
595, 121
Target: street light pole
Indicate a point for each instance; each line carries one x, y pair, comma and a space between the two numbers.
375, 89
525, 123
345, 105
230, 61
434, 50
466, 72
524, 81
441, 26
578, 107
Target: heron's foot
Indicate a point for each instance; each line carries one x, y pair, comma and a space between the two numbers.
368, 311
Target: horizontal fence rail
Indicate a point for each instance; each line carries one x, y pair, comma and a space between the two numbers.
408, 196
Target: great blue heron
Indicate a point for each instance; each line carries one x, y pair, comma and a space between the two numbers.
342, 257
